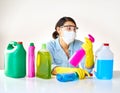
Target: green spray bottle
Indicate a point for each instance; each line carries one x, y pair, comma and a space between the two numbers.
15, 60
43, 63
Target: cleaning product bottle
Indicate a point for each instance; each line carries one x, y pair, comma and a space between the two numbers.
65, 77
96, 54
15, 60
104, 63
31, 60
79, 54
43, 63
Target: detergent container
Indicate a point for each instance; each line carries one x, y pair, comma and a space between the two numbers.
31, 60
104, 63
15, 60
43, 63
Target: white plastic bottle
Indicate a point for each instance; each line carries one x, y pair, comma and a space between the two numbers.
96, 54
104, 63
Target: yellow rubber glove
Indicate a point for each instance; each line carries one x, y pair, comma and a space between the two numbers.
81, 72
88, 47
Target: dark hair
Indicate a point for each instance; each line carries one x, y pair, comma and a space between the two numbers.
61, 23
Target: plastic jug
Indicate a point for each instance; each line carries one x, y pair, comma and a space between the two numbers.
104, 63
79, 54
66, 77
43, 63
31, 60
96, 54
15, 60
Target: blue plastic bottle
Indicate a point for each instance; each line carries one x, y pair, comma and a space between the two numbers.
104, 63
65, 77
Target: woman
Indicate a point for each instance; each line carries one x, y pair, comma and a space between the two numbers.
64, 44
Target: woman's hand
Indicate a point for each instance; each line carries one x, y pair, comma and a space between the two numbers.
88, 47
81, 72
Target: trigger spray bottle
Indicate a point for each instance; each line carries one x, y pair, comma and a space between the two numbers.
79, 54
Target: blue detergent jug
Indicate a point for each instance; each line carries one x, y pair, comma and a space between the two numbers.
104, 63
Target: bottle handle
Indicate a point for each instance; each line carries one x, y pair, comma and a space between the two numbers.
11, 45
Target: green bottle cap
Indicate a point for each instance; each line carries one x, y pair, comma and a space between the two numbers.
43, 46
31, 44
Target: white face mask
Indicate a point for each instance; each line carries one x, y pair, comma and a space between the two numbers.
68, 36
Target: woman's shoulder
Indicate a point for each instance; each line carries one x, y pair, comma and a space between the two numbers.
76, 41
52, 43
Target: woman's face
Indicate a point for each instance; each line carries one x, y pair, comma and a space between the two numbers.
67, 32
68, 26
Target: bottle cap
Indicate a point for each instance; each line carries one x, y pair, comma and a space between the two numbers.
20, 42
31, 44
91, 38
43, 46
106, 44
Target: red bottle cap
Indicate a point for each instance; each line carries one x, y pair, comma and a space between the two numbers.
106, 44
20, 42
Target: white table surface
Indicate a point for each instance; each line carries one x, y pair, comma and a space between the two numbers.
37, 85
